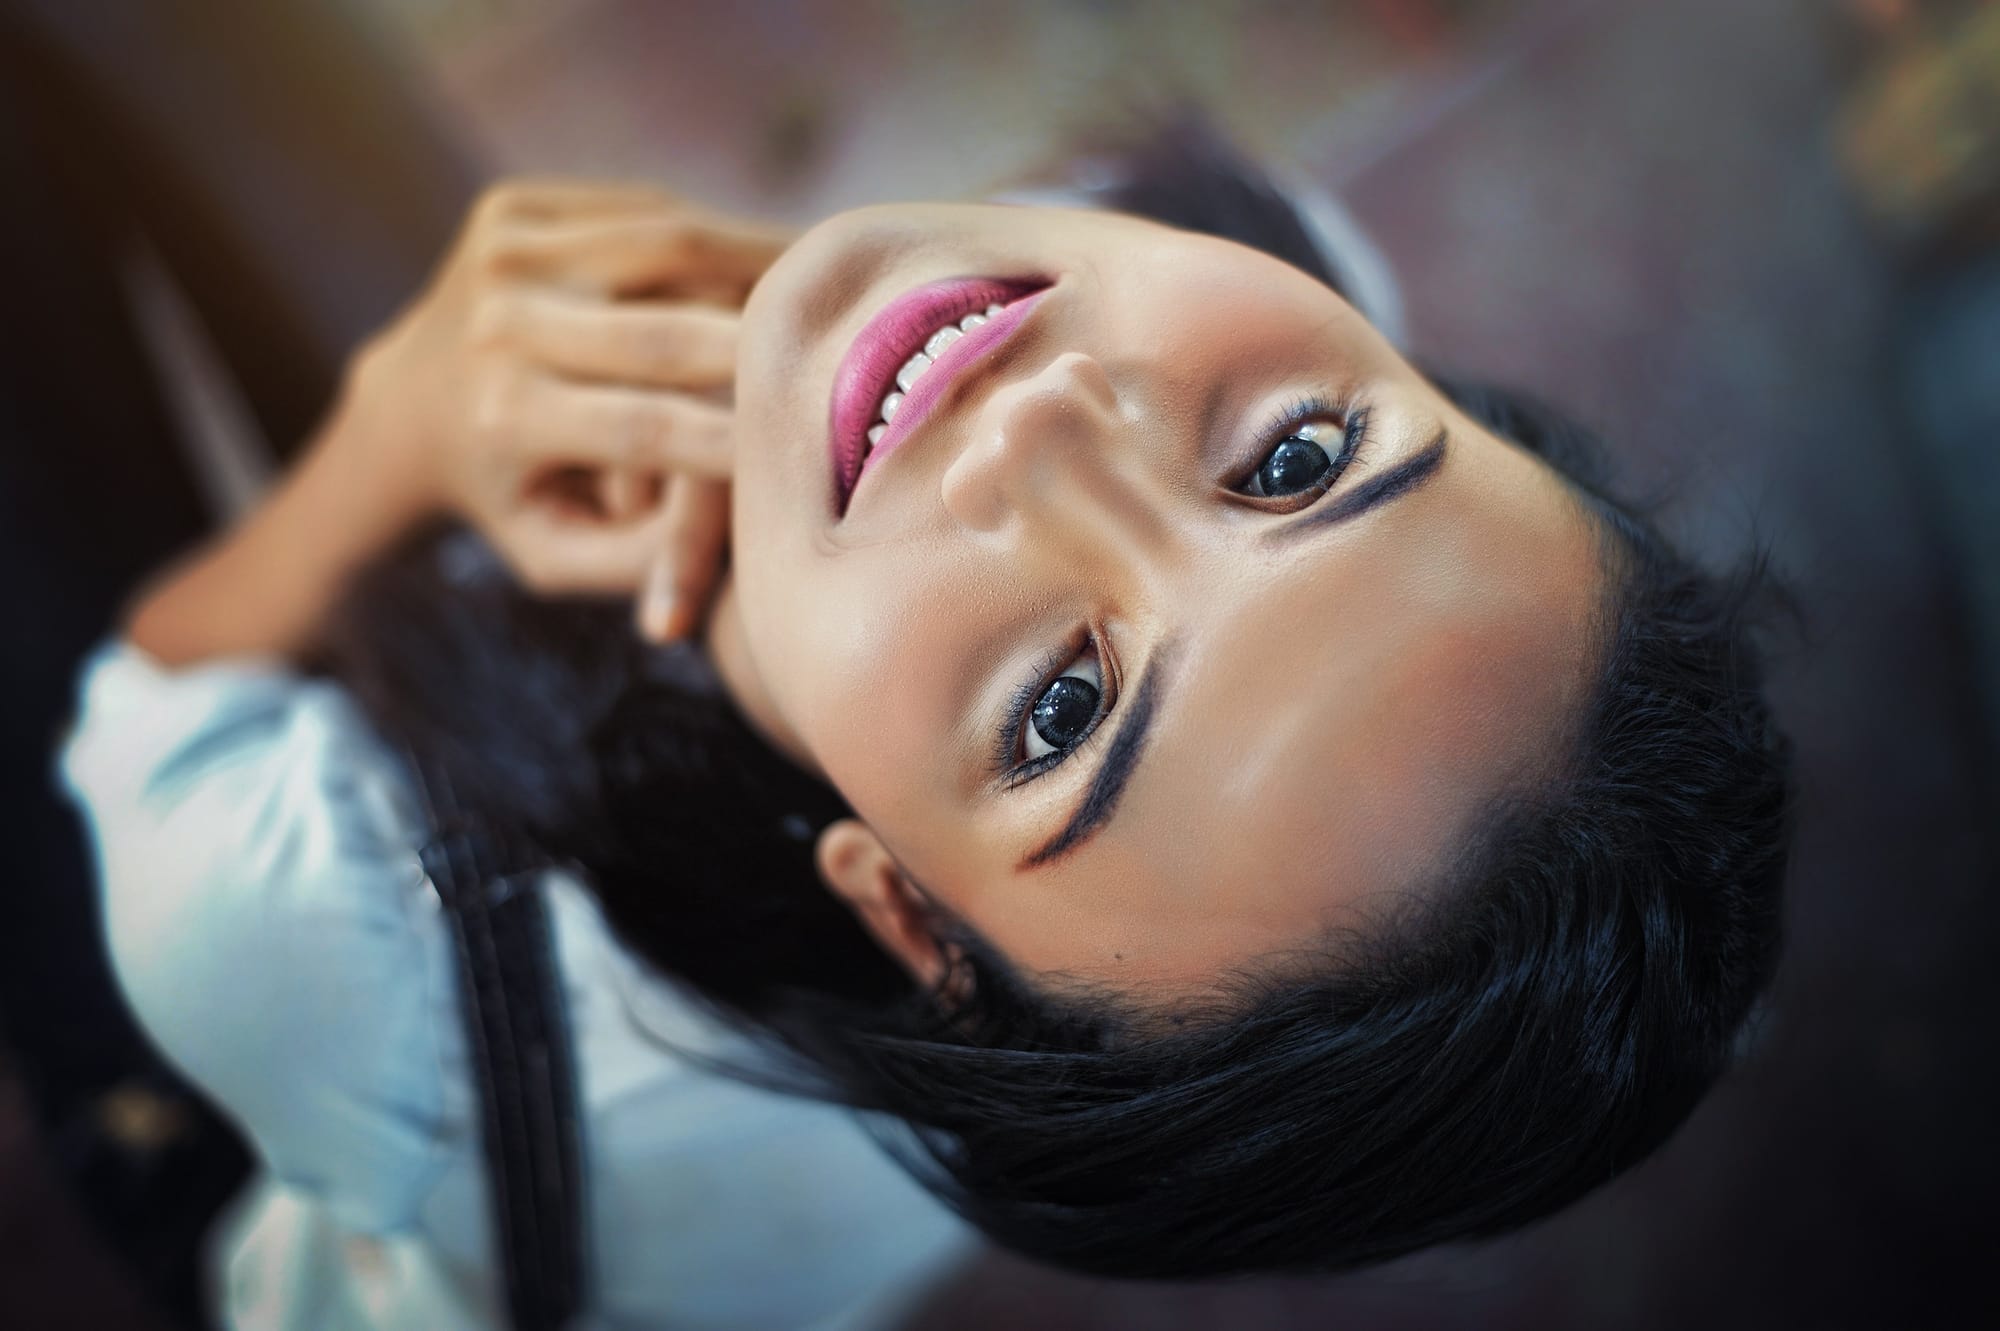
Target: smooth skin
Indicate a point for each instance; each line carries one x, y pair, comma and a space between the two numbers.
1338, 694
1338, 685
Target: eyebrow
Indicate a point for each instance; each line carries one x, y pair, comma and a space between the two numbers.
1405, 478
1100, 801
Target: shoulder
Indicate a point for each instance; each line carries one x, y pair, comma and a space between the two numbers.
268, 918
698, 1176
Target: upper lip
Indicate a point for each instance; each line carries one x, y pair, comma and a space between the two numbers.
896, 333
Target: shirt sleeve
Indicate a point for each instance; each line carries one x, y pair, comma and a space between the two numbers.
269, 921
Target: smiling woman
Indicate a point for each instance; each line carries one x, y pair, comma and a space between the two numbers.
1127, 489
1241, 802
1308, 817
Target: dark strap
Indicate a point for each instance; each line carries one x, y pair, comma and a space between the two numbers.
518, 1038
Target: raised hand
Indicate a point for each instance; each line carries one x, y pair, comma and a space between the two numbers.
563, 385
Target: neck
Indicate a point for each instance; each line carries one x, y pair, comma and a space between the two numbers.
728, 649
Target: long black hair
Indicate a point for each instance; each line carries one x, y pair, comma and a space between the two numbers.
1555, 1012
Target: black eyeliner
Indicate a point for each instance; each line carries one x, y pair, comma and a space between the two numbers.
1281, 425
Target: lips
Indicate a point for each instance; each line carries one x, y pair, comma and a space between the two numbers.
887, 346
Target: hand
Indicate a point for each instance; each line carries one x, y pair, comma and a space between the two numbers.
563, 385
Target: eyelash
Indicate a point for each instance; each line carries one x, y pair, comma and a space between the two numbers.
1282, 424
1288, 419
1008, 742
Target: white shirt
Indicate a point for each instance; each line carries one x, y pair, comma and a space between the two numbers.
270, 922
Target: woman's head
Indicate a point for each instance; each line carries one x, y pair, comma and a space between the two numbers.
1315, 620
1449, 868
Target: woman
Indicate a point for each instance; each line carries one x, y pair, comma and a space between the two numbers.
1243, 804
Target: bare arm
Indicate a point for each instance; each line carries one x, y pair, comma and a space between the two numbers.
263, 588
558, 386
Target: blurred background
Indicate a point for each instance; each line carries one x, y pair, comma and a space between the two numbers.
1752, 241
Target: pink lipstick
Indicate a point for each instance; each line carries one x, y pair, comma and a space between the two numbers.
902, 362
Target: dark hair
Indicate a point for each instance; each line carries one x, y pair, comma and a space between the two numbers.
1547, 1019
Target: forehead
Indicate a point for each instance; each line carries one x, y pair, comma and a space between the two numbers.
1330, 729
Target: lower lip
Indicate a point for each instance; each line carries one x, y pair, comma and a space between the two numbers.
867, 373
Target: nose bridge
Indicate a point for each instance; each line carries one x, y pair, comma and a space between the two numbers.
1040, 451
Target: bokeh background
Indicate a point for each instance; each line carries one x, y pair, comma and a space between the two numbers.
1751, 241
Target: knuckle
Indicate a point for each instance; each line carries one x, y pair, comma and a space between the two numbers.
491, 321
543, 568
499, 200
494, 408
531, 568
675, 242
498, 250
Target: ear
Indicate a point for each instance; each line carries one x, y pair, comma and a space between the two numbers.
858, 868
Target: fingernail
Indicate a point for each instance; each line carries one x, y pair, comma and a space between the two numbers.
657, 613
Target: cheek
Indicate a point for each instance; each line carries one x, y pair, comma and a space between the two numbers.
872, 688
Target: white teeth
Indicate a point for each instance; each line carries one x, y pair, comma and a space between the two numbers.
875, 433
941, 339
914, 368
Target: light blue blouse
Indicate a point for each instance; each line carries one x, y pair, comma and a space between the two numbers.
271, 924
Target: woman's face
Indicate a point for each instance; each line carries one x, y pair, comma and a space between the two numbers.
1308, 618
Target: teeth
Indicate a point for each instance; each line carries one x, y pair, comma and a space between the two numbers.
875, 433
941, 339
914, 368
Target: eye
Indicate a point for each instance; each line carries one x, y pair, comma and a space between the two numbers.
1065, 710
1310, 453
1294, 465
1052, 712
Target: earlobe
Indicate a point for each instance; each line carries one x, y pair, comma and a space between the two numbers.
858, 868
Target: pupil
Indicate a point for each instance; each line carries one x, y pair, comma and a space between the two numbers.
1293, 465
1064, 711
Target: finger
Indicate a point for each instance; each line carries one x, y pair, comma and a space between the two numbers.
561, 198
555, 552
643, 253
659, 345
619, 493
682, 578
656, 601
561, 423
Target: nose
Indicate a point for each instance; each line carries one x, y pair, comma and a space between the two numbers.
1033, 445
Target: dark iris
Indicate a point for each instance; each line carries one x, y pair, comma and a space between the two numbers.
1064, 711
1293, 466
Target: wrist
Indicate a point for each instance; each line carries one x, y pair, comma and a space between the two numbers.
373, 445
